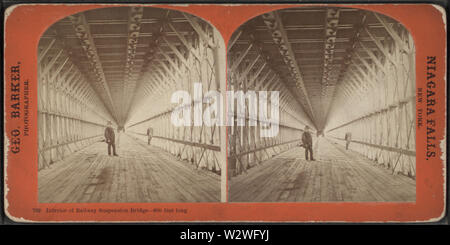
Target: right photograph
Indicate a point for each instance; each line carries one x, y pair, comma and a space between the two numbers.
321, 107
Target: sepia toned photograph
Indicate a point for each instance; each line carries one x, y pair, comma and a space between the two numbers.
191, 113
106, 79
343, 118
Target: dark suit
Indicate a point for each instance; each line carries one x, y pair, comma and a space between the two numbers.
110, 140
307, 144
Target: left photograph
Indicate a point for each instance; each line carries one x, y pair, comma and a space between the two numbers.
109, 85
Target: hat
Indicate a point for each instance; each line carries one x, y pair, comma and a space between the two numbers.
306, 127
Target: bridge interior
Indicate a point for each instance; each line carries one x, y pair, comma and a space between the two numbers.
122, 65
340, 71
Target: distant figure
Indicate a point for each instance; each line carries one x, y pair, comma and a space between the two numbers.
319, 133
307, 144
110, 139
348, 139
149, 134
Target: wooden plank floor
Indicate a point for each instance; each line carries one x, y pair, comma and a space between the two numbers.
337, 175
140, 173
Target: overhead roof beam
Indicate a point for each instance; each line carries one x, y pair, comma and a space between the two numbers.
313, 9
124, 22
149, 57
318, 26
347, 60
111, 35
83, 32
331, 24
279, 35
129, 83
309, 40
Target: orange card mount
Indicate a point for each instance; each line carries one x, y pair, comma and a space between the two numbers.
225, 113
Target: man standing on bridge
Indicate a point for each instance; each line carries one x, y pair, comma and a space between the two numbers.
149, 134
348, 139
110, 139
307, 144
